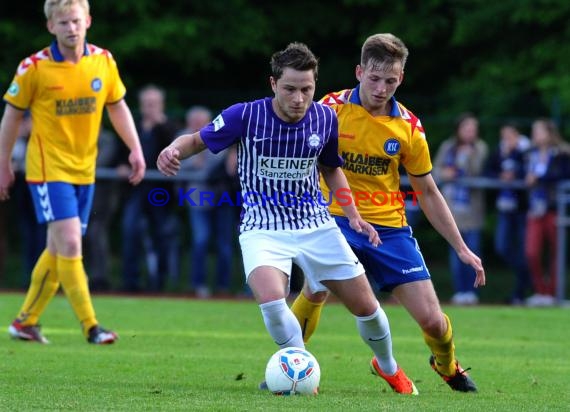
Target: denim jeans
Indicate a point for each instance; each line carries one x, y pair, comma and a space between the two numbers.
510, 246
463, 275
206, 225
140, 219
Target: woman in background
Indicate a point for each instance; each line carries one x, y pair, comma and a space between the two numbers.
463, 155
547, 164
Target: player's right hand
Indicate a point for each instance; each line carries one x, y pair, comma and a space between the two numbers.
168, 161
361, 226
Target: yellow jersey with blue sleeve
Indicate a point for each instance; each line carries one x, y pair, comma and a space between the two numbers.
66, 102
373, 148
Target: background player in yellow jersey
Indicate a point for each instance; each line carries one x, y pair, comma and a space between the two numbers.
65, 87
377, 134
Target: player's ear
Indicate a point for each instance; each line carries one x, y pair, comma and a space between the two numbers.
88, 21
358, 72
273, 84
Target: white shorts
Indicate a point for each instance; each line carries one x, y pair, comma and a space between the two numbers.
322, 253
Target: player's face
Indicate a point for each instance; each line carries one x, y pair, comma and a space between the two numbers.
294, 93
70, 27
378, 84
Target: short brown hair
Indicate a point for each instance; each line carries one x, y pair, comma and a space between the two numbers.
296, 56
383, 49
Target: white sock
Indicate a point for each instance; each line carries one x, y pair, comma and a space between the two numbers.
375, 331
282, 324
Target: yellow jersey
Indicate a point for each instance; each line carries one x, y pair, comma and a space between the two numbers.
373, 148
66, 102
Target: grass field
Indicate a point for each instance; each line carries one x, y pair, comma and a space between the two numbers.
178, 354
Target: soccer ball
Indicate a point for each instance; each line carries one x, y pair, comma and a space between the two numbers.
293, 371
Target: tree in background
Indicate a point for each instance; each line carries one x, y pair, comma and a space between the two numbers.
505, 58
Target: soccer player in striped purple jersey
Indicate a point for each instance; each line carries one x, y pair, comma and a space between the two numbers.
283, 143
378, 135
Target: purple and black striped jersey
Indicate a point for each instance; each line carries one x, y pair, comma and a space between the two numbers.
277, 162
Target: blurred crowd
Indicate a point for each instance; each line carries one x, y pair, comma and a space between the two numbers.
152, 239
525, 228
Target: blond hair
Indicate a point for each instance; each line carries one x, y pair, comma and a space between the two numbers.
383, 49
52, 6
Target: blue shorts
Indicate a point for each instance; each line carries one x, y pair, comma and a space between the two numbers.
397, 260
59, 200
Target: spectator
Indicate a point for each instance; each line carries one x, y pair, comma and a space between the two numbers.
208, 219
105, 205
463, 155
156, 130
507, 164
547, 163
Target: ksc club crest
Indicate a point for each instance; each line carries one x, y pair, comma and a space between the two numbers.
96, 84
392, 147
314, 141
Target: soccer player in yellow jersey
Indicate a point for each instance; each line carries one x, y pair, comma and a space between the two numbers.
377, 135
65, 87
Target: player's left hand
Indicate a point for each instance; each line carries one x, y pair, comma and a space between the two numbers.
362, 226
471, 259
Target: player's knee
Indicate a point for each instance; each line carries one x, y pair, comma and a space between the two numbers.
363, 308
69, 247
434, 326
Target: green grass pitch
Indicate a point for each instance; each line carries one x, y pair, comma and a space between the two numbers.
179, 354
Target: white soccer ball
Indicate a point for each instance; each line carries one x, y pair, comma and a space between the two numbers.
293, 371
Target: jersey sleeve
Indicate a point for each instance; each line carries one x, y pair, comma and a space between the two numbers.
336, 98
417, 161
21, 91
225, 130
117, 88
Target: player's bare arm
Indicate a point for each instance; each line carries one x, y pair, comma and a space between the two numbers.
437, 212
8, 135
336, 180
182, 147
122, 120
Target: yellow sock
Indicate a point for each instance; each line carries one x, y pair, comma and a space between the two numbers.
308, 314
74, 282
443, 350
43, 286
